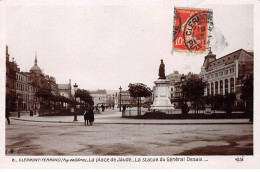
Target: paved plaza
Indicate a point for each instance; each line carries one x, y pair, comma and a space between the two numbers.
112, 135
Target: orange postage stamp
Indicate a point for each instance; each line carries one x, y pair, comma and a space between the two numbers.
191, 29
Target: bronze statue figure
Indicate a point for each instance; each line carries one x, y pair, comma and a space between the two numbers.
162, 70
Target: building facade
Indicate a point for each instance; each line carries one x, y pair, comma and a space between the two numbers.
65, 90
11, 69
21, 87
100, 99
173, 78
225, 74
24, 91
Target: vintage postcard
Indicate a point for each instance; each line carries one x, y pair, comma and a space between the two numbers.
129, 84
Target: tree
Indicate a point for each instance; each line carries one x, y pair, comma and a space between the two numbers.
193, 90
139, 90
247, 95
229, 102
216, 101
84, 96
46, 95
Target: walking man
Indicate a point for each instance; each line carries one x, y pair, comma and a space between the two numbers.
91, 115
7, 114
86, 116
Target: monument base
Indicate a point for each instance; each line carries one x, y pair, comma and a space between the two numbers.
162, 101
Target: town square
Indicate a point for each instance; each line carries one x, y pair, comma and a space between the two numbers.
130, 79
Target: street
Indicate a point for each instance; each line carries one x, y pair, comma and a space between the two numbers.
70, 138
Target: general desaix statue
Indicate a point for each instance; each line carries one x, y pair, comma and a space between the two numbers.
162, 70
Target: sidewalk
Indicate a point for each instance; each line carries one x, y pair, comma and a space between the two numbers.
115, 118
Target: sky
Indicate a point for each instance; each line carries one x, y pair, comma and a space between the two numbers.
105, 46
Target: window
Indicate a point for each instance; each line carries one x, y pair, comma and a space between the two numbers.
216, 74
221, 73
226, 72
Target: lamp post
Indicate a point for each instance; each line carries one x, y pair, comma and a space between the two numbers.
120, 88
113, 101
75, 114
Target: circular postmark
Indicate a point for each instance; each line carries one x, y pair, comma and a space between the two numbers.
177, 25
195, 31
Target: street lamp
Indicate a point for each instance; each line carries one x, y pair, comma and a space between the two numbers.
75, 114
120, 88
113, 101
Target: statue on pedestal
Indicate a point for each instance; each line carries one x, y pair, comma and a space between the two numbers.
162, 70
162, 93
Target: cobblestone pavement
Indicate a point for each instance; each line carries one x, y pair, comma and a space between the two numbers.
46, 138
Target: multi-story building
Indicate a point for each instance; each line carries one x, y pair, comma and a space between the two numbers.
52, 85
11, 69
65, 90
24, 91
126, 99
178, 94
129, 101
100, 97
173, 78
224, 75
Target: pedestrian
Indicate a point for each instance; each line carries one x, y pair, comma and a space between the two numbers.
31, 112
91, 115
7, 114
103, 108
86, 117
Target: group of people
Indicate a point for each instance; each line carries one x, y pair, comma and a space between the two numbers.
89, 116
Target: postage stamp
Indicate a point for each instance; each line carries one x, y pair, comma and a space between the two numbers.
191, 30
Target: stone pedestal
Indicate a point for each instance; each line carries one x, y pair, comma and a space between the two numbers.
161, 98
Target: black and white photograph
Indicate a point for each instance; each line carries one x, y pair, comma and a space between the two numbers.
129, 84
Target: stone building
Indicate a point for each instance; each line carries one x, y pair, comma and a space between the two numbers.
65, 90
24, 91
224, 75
126, 99
100, 98
173, 78
52, 85
11, 69
178, 94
